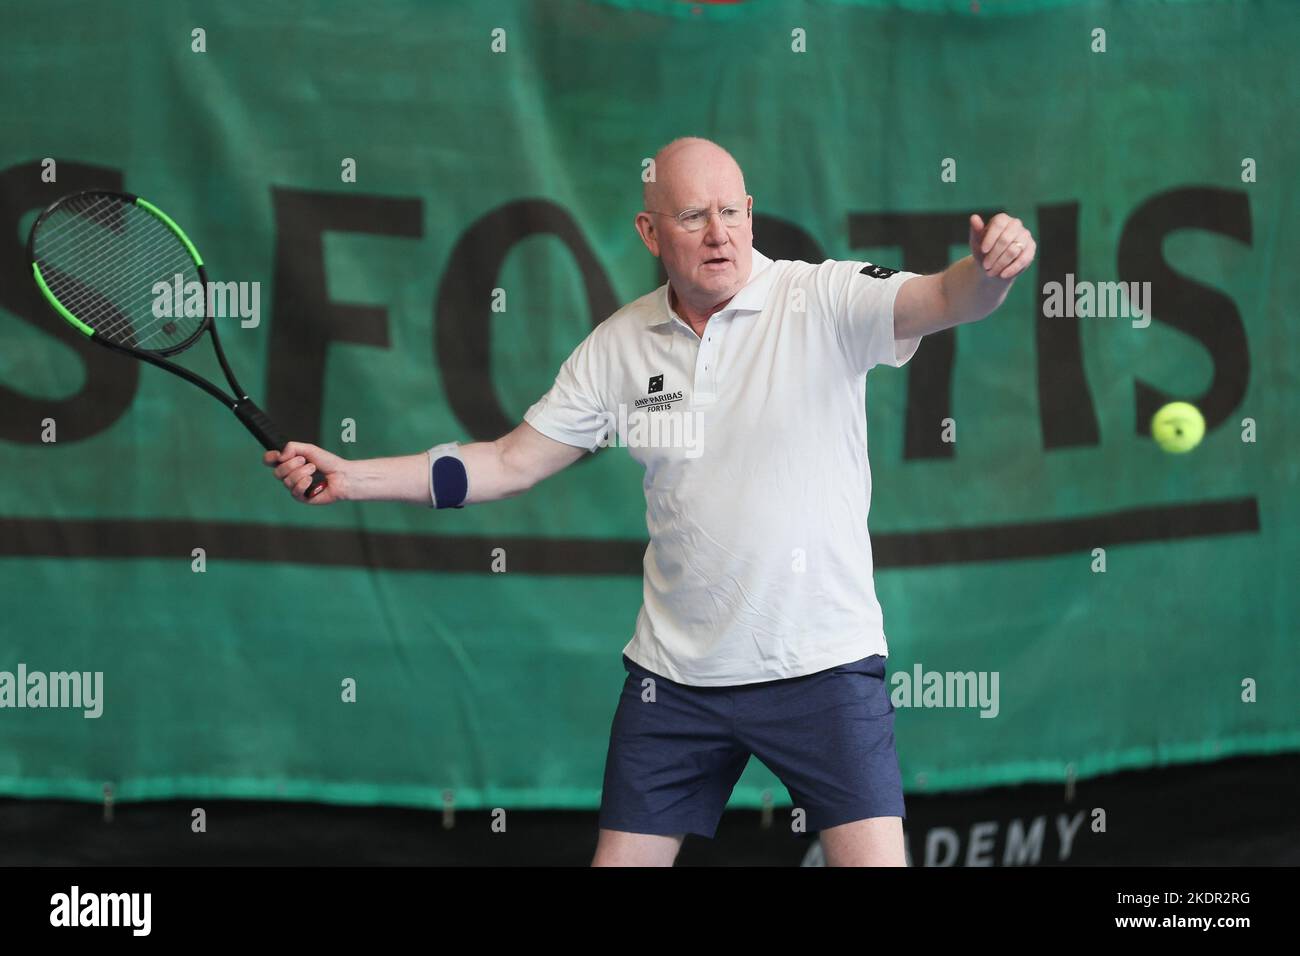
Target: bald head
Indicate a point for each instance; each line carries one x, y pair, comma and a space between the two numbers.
688, 164
707, 260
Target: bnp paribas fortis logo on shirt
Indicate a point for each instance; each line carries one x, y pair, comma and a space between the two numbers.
653, 422
656, 398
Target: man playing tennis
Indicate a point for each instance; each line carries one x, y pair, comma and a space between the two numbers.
760, 633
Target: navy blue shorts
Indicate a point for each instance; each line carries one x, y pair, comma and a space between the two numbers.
828, 736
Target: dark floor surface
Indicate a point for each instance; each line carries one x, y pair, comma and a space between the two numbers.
1243, 811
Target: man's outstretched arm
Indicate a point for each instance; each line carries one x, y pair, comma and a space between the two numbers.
970, 288
497, 469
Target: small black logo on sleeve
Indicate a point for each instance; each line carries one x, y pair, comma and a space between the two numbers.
878, 272
656, 384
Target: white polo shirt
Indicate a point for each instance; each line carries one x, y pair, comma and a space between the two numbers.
757, 485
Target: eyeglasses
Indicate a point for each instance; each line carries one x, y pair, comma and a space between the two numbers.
693, 220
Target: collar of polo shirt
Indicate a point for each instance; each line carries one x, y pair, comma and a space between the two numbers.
749, 299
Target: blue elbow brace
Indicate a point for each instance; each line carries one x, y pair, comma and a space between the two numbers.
448, 480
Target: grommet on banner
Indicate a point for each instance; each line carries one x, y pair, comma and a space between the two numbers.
108, 803
448, 810
1069, 783
766, 822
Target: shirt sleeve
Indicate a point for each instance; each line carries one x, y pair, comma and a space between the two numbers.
860, 299
572, 411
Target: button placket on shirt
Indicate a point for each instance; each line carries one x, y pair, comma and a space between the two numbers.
706, 361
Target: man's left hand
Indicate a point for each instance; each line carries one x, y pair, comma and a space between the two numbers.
1003, 249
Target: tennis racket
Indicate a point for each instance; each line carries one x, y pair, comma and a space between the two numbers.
97, 257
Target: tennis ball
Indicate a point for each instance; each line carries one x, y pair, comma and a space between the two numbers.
1178, 427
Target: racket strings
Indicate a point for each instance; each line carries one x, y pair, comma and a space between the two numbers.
85, 234
84, 210
124, 276
110, 267
102, 258
68, 288
123, 279
178, 264
109, 320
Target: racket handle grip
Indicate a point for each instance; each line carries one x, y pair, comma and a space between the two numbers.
272, 438
263, 428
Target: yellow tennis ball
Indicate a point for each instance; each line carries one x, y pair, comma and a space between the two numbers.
1178, 427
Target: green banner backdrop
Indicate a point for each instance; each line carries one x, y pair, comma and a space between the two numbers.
499, 145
